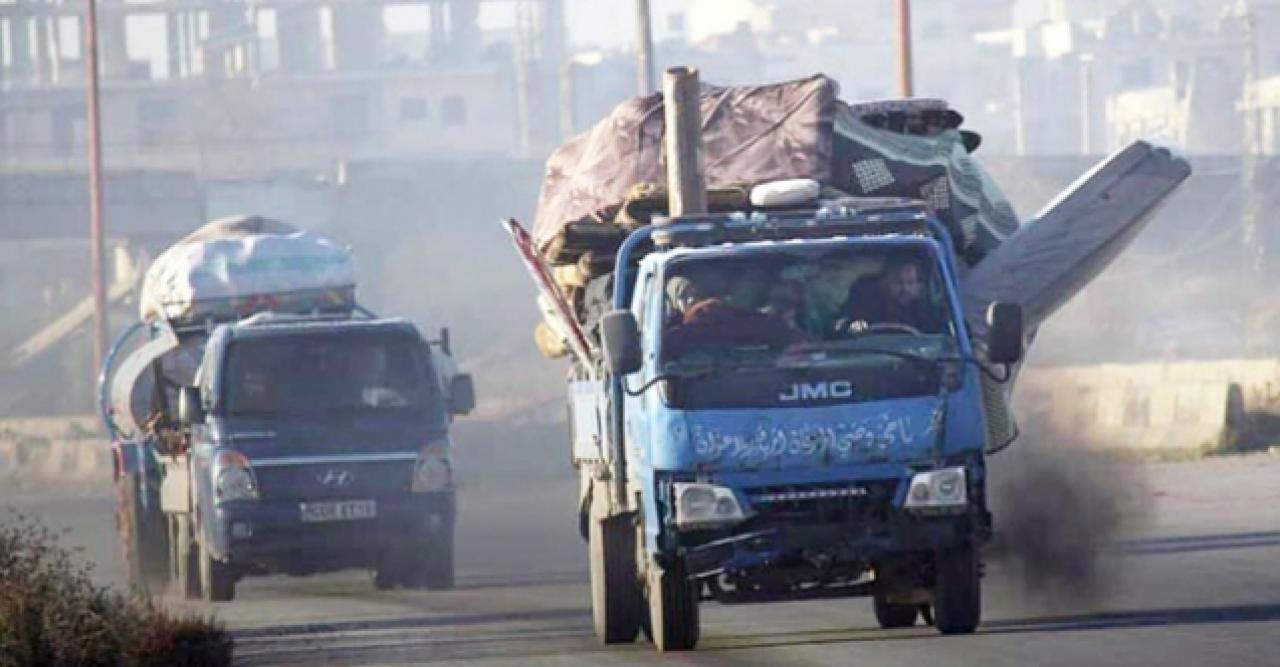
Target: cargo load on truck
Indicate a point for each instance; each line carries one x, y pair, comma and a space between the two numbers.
913, 149
239, 265
610, 180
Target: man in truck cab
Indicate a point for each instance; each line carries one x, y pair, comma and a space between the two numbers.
898, 297
369, 368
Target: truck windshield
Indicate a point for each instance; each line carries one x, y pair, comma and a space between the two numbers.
319, 373
785, 306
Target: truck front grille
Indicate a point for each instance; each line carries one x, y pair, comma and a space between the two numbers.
829, 503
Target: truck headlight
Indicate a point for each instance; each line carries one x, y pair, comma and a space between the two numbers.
233, 477
433, 471
705, 505
940, 490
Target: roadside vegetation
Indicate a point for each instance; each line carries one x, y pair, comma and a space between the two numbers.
53, 615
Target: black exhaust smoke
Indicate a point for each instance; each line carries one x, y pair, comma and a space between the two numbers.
1058, 508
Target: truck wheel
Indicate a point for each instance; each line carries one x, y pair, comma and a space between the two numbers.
957, 606
183, 558
673, 608
143, 534
388, 574
891, 615
217, 581
436, 570
615, 592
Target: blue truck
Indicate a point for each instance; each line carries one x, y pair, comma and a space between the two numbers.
294, 435
761, 428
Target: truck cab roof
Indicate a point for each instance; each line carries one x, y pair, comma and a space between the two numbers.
265, 325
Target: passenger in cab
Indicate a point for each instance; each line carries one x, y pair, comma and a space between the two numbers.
700, 322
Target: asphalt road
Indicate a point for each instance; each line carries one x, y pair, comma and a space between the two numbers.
1187, 572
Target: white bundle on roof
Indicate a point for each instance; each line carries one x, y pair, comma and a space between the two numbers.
246, 264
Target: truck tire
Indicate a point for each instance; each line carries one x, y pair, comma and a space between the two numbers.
435, 572
217, 581
674, 622
616, 602
891, 615
388, 573
143, 534
957, 606
183, 556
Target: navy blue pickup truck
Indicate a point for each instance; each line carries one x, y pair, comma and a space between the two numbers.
300, 444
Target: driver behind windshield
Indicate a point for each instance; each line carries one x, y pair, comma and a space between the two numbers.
370, 371
894, 299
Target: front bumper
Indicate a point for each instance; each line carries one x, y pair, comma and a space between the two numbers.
808, 523
272, 536
756, 545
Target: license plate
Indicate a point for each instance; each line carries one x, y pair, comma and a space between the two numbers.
339, 511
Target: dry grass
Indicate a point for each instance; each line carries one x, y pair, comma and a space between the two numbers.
52, 614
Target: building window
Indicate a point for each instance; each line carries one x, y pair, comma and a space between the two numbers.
351, 117
454, 110
413, 109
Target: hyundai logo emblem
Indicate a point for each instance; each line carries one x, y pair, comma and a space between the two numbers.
335, 477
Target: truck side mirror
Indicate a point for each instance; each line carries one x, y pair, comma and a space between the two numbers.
1004, 333
462, 394
621, 337
446, 345
190, 409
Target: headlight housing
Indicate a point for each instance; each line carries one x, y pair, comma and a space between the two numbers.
433, 471
705, 505
233, 477
941, 491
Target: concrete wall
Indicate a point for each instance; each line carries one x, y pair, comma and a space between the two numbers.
1153, 406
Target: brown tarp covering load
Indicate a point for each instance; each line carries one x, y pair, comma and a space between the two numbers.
795, 129
749, 134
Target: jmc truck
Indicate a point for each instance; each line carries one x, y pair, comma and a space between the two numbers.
747, 446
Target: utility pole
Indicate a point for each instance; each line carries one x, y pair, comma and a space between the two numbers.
568, 99
1086, 104
96, 263
1253, 239
644, 48
906, 75
525, 28
681, 97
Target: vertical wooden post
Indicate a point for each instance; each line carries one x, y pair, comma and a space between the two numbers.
686, 186
906, 74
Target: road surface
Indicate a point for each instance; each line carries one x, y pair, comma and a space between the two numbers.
1190, 577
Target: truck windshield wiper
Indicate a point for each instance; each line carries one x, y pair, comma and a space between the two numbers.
998, 378
807, 360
